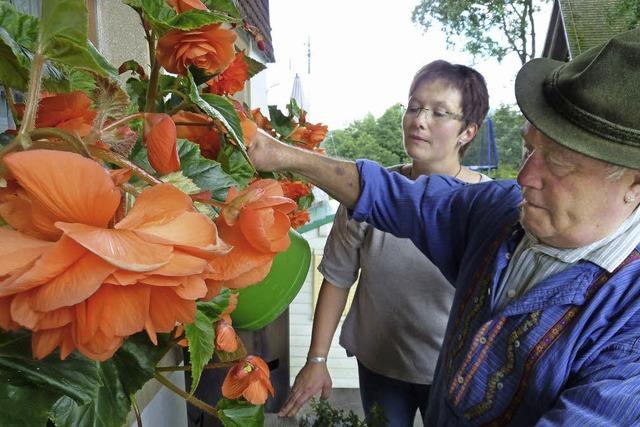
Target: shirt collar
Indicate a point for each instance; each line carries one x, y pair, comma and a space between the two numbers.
607, 252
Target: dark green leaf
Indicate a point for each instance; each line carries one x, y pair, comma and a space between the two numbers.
254, 66
24, 405
201, 336
206, 174
200, 76
85, 392
134, 4
137, 91
234, 413
279, 122
234, 163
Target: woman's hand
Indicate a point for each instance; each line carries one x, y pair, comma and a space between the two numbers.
311, 379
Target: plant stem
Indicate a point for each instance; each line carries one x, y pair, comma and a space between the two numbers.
33, 98
121, 121
152, 88
136, 410
188, 367
12, 105
186, 396
73, 141
9, 148
117, 159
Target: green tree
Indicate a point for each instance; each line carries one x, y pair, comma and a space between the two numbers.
507, 124
628, 9
491, 27
370, 138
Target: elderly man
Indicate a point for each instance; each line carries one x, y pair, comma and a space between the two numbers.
545, 325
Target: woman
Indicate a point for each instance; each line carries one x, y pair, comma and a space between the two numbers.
398, 317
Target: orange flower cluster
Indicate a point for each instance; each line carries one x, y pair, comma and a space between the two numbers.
254, 221
76, 282
249, 378
69, 111
232, 79
209, 47
299, 218
295, 189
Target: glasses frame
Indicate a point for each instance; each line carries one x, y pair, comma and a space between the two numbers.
431, 114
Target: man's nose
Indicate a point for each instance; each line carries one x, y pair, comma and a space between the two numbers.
529, 174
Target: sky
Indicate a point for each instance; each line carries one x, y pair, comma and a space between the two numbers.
363, 56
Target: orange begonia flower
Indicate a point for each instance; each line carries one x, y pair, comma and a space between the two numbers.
232, 79
209, 48
254, 221
249, 378
299, 218
88, 286
309, 136
226, 338
262, 122
295, 189
249, 128
200, 130
184, 5
69, 111
160, 139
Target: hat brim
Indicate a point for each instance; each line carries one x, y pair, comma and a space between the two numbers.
534, 106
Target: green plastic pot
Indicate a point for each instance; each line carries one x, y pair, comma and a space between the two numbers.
261, 304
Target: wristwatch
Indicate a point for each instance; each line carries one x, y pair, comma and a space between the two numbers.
316, 359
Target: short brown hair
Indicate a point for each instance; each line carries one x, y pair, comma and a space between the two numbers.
470, 83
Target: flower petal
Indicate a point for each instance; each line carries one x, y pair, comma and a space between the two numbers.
45, 341
267, 230
18, 250
156, 205
160, 139
69, 187
192, 288
76, 284
182, 264
124, 308
121, 248
166, 308
52, 263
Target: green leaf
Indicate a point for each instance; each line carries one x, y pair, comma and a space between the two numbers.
21, 27
217, 107
63, 37
164, 18
85, 392
206, 174
304, 202
24, 405
194, 18
214, 308
294, 108
279, 122
226, 6
137, 91
235, 164
201, 336
254, 66
234, 413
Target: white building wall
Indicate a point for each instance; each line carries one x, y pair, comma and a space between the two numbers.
343, 369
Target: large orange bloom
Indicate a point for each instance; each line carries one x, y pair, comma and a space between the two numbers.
200, 129
83, 285
69, 111
209, 48
295, 189
254, 221
249, 378
232, 79
184, 5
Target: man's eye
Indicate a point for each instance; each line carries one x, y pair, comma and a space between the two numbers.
413, 109
437, 113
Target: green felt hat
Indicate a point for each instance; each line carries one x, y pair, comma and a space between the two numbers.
590, 104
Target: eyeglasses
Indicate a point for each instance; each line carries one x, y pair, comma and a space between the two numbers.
436, 115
